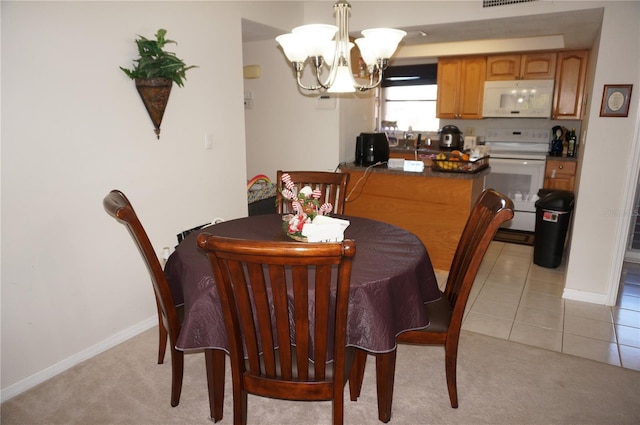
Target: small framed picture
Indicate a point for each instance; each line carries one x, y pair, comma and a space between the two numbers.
615, 100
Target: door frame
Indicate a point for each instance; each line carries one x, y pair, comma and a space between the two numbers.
626, 217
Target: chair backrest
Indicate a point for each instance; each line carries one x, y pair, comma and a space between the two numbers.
277, 299
119, 207
333, 187
490, 211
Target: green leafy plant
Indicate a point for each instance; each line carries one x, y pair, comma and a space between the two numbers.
155, 62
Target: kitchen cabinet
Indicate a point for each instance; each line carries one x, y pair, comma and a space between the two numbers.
571, 75
461, 87
560, 174
531, 66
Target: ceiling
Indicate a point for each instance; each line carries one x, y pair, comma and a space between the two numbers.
579, 28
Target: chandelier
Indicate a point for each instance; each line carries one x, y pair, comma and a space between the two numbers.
329, 46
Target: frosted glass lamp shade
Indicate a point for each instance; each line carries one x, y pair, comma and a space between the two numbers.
344, 82
366, 51
384, 41
315, 37
293, 47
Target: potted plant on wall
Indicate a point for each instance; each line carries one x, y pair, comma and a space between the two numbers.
154, 73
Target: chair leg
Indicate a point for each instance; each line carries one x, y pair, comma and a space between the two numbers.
177, 369
450, 361
338, 408
162, 334
357, 374
239, 406
214, 360
162, 344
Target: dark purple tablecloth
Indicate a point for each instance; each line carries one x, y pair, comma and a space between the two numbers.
391, 278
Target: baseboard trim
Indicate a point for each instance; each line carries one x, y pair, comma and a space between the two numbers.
584, 296
48, 373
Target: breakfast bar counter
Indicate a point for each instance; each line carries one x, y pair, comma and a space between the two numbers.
433, 205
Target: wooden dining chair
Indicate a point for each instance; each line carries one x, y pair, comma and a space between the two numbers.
333, 187
445, 315
169, 316
286, 333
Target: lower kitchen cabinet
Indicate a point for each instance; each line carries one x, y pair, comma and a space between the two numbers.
560, 174
433, 205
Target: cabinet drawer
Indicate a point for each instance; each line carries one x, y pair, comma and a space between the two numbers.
560, 167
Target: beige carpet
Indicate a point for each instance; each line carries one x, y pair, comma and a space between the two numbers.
499, 382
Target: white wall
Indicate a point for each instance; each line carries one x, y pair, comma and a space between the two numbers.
284, 129
603, 203
74, 128
288, 128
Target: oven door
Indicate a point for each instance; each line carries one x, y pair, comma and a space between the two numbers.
520, 180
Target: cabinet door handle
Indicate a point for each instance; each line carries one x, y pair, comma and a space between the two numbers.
561, 167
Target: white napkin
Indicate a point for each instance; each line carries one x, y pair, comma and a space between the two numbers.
325, 229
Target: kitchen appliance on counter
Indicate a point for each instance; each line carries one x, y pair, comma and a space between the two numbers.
451, 138
517, 169
518, 99
371, 148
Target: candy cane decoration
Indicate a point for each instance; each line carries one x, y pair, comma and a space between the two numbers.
316, 193
288, 194
286, 179
325, 208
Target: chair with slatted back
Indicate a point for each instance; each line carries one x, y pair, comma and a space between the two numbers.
118, 206
445, 315
286, 333
333, 188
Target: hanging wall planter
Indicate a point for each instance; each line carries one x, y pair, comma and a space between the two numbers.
154, 73
155, 96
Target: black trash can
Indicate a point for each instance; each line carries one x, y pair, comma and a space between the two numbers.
553, 213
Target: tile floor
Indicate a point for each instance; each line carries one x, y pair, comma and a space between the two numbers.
515, 299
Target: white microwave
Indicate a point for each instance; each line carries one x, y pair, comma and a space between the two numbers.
518, 99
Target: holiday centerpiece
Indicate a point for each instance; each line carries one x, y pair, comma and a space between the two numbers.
309, 221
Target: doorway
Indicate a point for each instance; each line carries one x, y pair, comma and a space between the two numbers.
632, 253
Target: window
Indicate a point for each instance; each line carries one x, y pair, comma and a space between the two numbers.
409, 95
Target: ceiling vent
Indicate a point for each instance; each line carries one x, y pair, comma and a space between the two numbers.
491, 3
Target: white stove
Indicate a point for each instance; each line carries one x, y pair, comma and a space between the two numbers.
518, 143
517, 159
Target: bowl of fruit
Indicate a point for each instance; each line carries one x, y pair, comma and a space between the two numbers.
458, 162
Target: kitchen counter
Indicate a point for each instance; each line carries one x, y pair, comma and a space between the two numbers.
433, 205
428, 172
561, 158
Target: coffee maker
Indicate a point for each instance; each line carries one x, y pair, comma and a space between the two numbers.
372, 148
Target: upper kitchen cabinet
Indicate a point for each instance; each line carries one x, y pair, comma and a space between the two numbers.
461, 87
532, 66
571, 74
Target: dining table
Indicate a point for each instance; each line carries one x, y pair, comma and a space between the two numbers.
391, 280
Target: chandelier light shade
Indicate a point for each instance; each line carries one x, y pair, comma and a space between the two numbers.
328, 46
